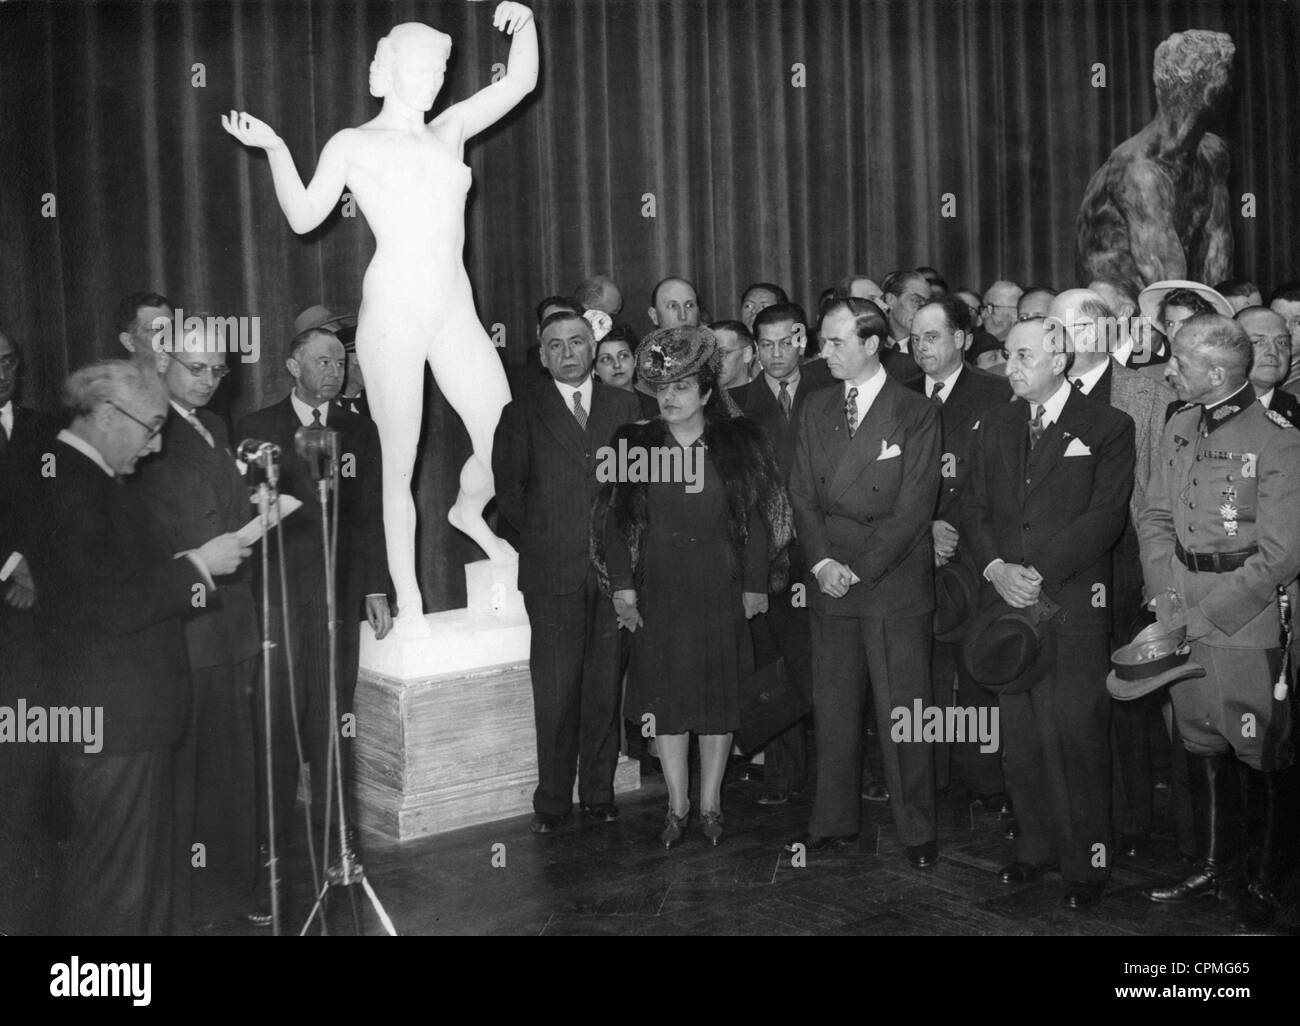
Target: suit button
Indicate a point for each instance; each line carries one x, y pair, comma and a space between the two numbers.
1025, 525
1229, 477
1195, 481
1191, 527
1191, 505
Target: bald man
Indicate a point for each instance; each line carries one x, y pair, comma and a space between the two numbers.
673, 302
1271, 366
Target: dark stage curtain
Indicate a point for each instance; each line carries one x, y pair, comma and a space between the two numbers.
793, 142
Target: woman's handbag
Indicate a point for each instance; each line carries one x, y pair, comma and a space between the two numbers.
769, 704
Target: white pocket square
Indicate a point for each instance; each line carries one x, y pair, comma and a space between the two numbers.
888, 452
1077, 448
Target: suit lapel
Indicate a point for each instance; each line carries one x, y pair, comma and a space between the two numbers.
1014, 442
868, 441
1051, 446
560, 422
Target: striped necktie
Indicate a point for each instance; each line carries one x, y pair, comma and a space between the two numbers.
578, 411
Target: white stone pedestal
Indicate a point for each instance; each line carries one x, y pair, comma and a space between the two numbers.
445, 734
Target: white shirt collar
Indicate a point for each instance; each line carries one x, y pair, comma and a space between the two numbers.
948, 384
1124, 350
1090, 378
901, 344
86, 449
1052, 408
566, 392
304, 410
1267, 397
868, 389
7, 417
187, 414
791, 383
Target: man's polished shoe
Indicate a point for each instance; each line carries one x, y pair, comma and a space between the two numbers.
1205, 878
752, 773
876, 793
814, 843
601, 812
1131, 845
773, 797
545, 822
1023, 872
923, 856
1081, 895
1011, 830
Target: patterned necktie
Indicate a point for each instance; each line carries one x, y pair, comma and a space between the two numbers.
1078, 383
851, 410
785, 400
197, 424
1036, 428
934, 392
578, 411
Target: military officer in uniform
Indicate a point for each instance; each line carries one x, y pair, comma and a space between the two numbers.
1219, 536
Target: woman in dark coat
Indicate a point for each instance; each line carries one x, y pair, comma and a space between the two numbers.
689, 536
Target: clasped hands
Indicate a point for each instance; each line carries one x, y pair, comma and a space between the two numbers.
629, 619
1018, 585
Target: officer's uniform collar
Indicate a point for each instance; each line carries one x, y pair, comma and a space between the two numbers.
1220, 413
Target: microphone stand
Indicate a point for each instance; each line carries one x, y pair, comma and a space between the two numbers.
348, 870
268, 496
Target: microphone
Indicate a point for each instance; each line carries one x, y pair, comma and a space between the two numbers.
318, 447
251, 450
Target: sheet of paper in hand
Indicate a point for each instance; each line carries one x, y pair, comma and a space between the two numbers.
252, 531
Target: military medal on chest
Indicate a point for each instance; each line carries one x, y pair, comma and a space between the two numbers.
1229, 513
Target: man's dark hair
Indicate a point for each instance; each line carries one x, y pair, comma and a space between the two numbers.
928, 273
737, 328
778, 312
1239, 287
297, 343
1288, 292
896, 281
766, 286
955, 311
868, 319
563, 301
622, 333
1188, 299
842, 289
130, 306
938, 283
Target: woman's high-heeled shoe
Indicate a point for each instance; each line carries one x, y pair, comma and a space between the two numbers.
711, 822
674, 831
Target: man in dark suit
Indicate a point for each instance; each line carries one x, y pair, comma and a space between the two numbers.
864, 482
113, 592
774, 400
1271, 366
317, 362
196, 491
905, 292
941, 332
1091, 328
544, 460
25, 822
1050, 478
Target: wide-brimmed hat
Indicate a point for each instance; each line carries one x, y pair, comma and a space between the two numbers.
1155, 657
956, 599
671, 354
1153, 295
1009, 650
322, 318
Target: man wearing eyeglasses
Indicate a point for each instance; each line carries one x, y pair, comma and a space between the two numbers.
195, 489
140, 318
114, 592
1001, 300
905, 292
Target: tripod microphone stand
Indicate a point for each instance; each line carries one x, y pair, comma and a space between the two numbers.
319, 447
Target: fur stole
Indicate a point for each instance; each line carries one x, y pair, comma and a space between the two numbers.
743, 458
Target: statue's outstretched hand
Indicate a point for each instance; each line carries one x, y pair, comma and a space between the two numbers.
250, 131
510, 17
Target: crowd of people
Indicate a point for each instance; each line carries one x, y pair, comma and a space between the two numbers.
919, 497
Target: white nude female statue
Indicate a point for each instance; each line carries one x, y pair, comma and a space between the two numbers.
410, 182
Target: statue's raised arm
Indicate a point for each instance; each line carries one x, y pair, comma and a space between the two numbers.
491, 103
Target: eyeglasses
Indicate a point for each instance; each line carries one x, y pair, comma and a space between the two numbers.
153, 431
990, 307
218, 370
